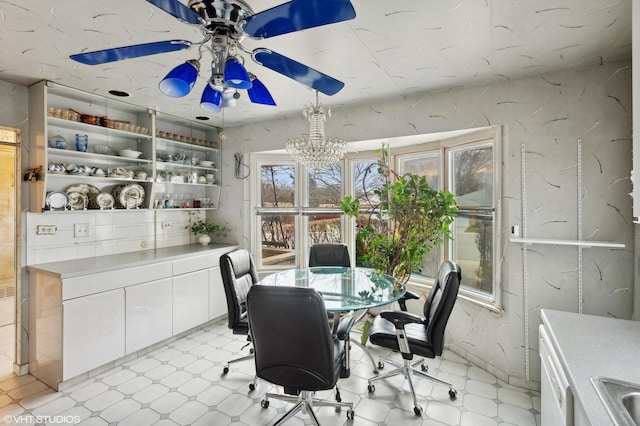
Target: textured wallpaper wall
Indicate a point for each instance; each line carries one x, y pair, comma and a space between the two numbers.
544, 117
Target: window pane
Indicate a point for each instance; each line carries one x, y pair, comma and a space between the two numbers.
325, 228
472, 176
278, 240
473, 251
426, 165
325, 186
365, 179
277, 185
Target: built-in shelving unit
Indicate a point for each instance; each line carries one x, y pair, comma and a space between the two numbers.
178, 166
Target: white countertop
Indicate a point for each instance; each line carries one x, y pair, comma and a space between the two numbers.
594, 346
92, 265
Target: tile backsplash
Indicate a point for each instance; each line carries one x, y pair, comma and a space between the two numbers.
109, 232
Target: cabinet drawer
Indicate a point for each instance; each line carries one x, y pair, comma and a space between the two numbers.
195, 263
110, 280
94, 332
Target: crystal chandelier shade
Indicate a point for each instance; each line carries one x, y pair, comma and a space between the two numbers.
316, 150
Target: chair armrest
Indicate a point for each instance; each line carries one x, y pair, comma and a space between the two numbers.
344, 327
401, 318
403, 300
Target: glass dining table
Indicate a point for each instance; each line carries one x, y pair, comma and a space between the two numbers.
344, 290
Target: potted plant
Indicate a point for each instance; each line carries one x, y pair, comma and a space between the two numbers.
408, 218
202, 228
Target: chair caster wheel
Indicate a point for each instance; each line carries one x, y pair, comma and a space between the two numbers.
424, 367
252, 387
417, 411
350, 413
264, 403
338, 409
453, 394
380, 365
225, 370
251, 350
371, 388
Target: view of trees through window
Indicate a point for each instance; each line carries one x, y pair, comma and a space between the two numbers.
298, 210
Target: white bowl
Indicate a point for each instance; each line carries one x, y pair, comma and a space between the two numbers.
205, 163
129, 153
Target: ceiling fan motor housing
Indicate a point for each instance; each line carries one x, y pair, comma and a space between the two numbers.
220, 13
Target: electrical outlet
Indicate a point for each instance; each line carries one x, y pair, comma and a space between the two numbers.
167, 225
46, 230
81, 230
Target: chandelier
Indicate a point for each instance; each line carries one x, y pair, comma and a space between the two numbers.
316, 150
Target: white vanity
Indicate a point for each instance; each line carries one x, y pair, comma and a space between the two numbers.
88, 313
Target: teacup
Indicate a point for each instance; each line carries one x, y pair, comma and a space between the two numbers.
209, 178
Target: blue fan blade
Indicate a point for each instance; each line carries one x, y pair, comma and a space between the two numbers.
128, 52
297, 71
178, 10
297, 15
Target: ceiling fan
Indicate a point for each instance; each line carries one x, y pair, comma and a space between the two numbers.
224, 24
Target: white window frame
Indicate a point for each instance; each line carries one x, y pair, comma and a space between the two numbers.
492, 135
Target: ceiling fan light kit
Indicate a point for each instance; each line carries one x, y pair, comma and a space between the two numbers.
180, 80
224, 24
211, 99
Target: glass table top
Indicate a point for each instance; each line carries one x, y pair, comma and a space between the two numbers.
343, 289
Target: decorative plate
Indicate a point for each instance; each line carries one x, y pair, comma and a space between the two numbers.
57, 200
130, 196
77, 200
88, 190
104, 200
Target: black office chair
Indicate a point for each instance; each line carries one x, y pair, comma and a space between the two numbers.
330, 254
337, 254
238, 275
295, 347
414, 335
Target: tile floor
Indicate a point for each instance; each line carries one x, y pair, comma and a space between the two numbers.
182, 384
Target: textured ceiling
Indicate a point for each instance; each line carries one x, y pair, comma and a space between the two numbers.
392, 48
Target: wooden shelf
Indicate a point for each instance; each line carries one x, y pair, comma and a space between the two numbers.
559, 242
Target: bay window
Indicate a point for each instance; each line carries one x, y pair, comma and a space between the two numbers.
297, 207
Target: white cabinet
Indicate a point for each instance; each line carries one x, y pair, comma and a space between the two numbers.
81, 321
148, 313
217, 297
190, 300
93, 330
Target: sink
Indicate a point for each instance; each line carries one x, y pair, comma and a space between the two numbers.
620, 398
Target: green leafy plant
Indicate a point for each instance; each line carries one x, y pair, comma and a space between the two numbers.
408, 220
205, 227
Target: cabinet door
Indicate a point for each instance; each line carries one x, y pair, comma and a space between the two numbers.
217, 298
190, 300
148, 313
93, 332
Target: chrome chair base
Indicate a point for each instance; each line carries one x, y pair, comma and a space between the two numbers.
408, 369
225, 370
306, 402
